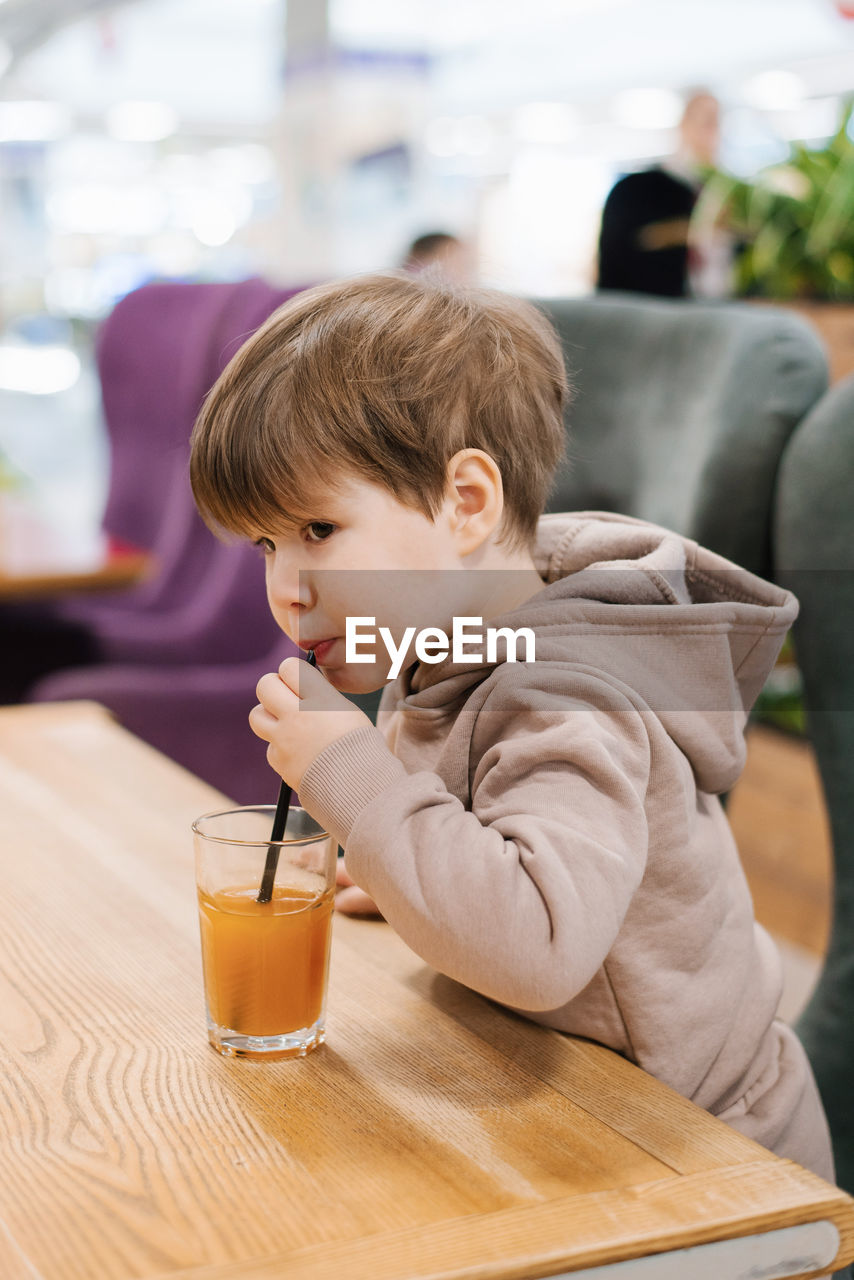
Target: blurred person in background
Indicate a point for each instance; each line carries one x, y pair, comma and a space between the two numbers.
442, 251
647, 243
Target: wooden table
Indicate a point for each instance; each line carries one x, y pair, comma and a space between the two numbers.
111, 564
434, 1135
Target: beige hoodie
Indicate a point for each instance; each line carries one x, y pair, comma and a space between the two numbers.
549, 833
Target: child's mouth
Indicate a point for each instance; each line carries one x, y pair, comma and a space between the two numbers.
321, 649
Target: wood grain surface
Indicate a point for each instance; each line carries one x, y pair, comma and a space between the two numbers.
31, 570
433, 1135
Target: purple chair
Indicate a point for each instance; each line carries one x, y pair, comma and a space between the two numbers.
158, 353
183, 651
196, 715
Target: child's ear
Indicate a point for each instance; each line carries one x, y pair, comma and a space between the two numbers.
474, 498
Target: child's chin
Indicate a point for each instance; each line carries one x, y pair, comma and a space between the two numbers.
364, 680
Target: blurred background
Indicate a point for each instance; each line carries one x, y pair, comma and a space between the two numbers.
219, 139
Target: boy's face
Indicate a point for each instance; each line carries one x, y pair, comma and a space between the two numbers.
362, 554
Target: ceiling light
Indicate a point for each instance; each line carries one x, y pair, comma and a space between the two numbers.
33, 121
101, 208
38, 371
215, 224
249, 162
548, 123
141, 121
458, 135
648, 108
774, 91
440, 136
474, 135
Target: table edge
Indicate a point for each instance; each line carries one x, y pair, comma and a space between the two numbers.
570, 1232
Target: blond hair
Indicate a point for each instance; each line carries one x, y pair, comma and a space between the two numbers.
387, 377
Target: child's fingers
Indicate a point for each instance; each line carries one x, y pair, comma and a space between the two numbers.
303, 679
341, 877
262, 724
290, 672
355, 902
275, 696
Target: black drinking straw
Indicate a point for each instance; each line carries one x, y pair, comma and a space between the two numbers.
283, 804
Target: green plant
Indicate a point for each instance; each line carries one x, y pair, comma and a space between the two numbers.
795, 221
781, 700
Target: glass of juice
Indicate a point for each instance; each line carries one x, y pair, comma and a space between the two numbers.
265, 963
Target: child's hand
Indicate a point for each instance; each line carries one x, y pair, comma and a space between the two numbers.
350, 899
300, 715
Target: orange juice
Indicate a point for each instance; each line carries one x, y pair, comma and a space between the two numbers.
265, 963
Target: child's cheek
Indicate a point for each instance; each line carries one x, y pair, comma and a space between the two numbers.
280, 618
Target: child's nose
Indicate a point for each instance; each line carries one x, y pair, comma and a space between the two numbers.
287, 587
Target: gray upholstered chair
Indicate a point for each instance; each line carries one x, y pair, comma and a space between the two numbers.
814, 556
682, 411
712, 420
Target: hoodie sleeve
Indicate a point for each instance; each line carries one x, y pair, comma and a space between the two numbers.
522, 896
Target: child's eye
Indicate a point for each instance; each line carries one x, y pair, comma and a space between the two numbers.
264, 545
318, 531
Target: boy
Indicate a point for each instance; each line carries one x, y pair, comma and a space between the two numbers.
546, 831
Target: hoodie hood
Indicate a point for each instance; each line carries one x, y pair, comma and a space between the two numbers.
690, 634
